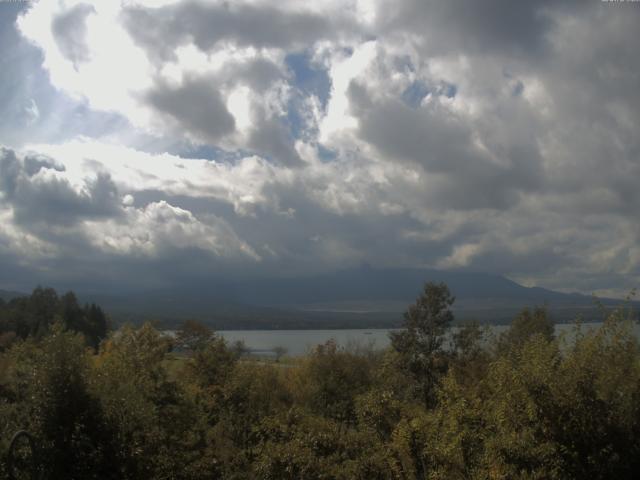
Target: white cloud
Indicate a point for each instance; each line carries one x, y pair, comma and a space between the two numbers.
344, 69
460, 257
160, 227
503, 141
112, 71
242, 184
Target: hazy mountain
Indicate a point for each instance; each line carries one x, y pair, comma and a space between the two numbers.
8, 295
356, 297
404, 285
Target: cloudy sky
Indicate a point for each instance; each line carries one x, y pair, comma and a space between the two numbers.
151, 143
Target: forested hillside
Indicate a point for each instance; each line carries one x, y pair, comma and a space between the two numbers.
522, 405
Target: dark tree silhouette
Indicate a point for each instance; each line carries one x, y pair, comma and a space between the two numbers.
420, 342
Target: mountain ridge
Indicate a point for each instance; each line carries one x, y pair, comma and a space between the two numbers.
7, 295
362, 297
352, 297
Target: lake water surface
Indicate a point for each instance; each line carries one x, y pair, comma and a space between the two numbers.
299, 342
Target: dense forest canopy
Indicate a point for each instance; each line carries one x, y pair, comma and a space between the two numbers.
522, 405
34, 316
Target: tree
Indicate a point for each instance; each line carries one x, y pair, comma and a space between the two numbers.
90, 320
330, 379
526, 325
51, 390
41, 309
297, 444
34, 315
420, 342
279, 352
470, 358
194, 335
71, 312
239, 348
96, 325
154, 422
211, 364
467, 340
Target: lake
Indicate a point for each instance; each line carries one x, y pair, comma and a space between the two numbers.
299, 342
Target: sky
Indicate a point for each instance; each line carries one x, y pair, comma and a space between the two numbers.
155, 143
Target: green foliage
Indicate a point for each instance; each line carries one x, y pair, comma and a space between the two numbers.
48, 393
468, 340
526, 325
193, 335
156, 426
526, 406
330, 378
211, 363
296, 445
379, 411
33, 316
419, 343
544, 412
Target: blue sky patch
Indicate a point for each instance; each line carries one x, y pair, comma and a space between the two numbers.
326, 154
414, 94
308, 77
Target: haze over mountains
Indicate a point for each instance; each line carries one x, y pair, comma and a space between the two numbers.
359, 297
8, 294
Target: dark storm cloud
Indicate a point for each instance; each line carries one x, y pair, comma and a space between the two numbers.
316, 239
272, 139
598, 112
502, 26
436, 140
195, 105
442, 143
161, 30
36, 198
259, 74
35, 162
